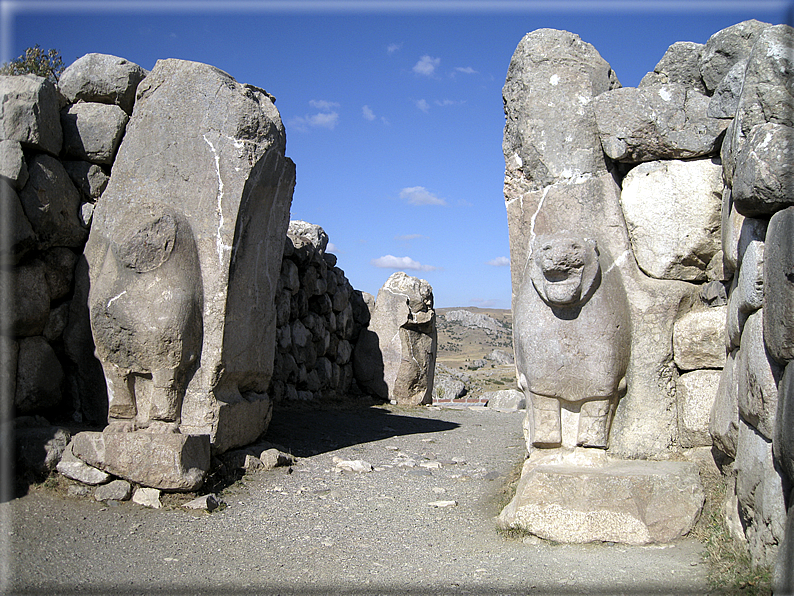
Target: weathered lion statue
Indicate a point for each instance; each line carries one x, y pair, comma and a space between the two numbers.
572, 342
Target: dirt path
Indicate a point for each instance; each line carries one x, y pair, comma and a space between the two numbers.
316, 530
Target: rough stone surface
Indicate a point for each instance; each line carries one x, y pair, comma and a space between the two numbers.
552, 78
75, 468
395, 357
764, 173
29, 112
726, 48
672, 211
39, 377
102, 78
52, 204
505, 399
202, 161
725, 100
30, 299
760, 492
680, 64
9, 351
724, 418
59, 264
698, 339
446, 387
573, 500
784, 423
204, 503
783, 580
738, 232
89, 178
148, 497
757, 376
572, 341
21, 237
116, 490
12, 164
659, 122
39, 448
750, 286
696, 393
92, 131
779, 286
157, 460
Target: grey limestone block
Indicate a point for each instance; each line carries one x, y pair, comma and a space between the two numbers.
779, 286
39, 376
12, 163
92, 131
726, 48
680, 64
29, 112
102, 78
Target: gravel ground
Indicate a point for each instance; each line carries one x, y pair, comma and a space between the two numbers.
421, 522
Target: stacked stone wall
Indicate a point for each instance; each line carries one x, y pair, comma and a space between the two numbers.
703, 235
319, 319
58, 145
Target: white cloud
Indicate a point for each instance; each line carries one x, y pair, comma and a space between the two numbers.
448, 102
367, 113
419, 195
465, 70
393, 47
499, 262
482, 303
408, 237
399, 263
422, 105
331, 247
426, 65
326, 118
323, 105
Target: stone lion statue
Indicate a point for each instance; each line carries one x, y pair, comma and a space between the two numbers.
572, 341
146, 318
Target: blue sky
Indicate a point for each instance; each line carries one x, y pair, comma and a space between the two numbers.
393, 109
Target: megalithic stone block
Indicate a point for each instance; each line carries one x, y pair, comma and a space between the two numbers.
158, 460
184, 256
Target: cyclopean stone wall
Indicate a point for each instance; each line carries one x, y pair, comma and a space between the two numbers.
192, 302
683, 186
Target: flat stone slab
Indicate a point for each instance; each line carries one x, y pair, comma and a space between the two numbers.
573, 496
157, 460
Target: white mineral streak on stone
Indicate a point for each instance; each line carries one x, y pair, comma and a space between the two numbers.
584, 100
532, 233
218, 238
112, 300
619, 261
664, 94
554, 79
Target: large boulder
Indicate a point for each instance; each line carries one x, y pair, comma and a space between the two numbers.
184, 256
553, 78
52, 204
680, 64
724, 416
726, 48
92, 131
759, 488
784, 424
672, 211
395, 356
698, 339
757, 377
12, 164
779, 286
21, 237
102, 78
39, 377
577, 498
30, 112
660, 122
158, 460
30, 298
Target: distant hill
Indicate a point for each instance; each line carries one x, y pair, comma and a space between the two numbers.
469, 333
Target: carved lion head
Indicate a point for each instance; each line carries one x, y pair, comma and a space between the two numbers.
564, 268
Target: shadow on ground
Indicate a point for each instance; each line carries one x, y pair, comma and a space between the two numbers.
310, 432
